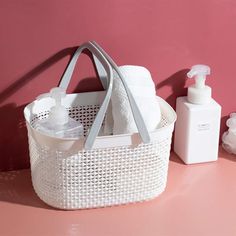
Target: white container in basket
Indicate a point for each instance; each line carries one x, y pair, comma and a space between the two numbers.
97, 171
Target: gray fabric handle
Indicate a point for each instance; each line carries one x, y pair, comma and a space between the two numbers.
104, 65
101, 72
93, 133
143, 131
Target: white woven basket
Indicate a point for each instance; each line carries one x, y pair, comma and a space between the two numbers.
113, 170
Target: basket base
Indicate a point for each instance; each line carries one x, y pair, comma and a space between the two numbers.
66, 208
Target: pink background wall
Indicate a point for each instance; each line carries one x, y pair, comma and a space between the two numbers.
166, 36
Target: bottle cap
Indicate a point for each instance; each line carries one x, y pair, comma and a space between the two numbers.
199, 93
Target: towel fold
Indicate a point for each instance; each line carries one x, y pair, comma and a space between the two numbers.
119, 118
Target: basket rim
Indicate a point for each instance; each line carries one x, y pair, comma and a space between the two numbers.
120, 139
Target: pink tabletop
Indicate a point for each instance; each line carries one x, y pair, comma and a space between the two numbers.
199, 200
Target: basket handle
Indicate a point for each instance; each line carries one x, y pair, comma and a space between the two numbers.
93, 133
143, 131
101, 72
101, 59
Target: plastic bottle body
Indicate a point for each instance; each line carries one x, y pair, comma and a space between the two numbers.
197, 131
58, 123
71, 129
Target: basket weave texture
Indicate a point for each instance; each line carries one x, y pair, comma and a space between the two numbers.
98, 177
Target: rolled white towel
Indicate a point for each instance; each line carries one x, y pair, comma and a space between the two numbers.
120, 118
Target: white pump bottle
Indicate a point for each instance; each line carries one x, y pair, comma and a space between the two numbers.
58, 123
198, 124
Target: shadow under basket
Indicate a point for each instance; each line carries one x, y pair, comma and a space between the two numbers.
120, 169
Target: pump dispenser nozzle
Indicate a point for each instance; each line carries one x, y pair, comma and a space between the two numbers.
199, 93
200, 72
58, 113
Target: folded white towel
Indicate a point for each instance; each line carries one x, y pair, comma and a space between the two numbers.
120, 119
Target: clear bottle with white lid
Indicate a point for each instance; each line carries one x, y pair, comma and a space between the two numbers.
58, 123
198, 121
